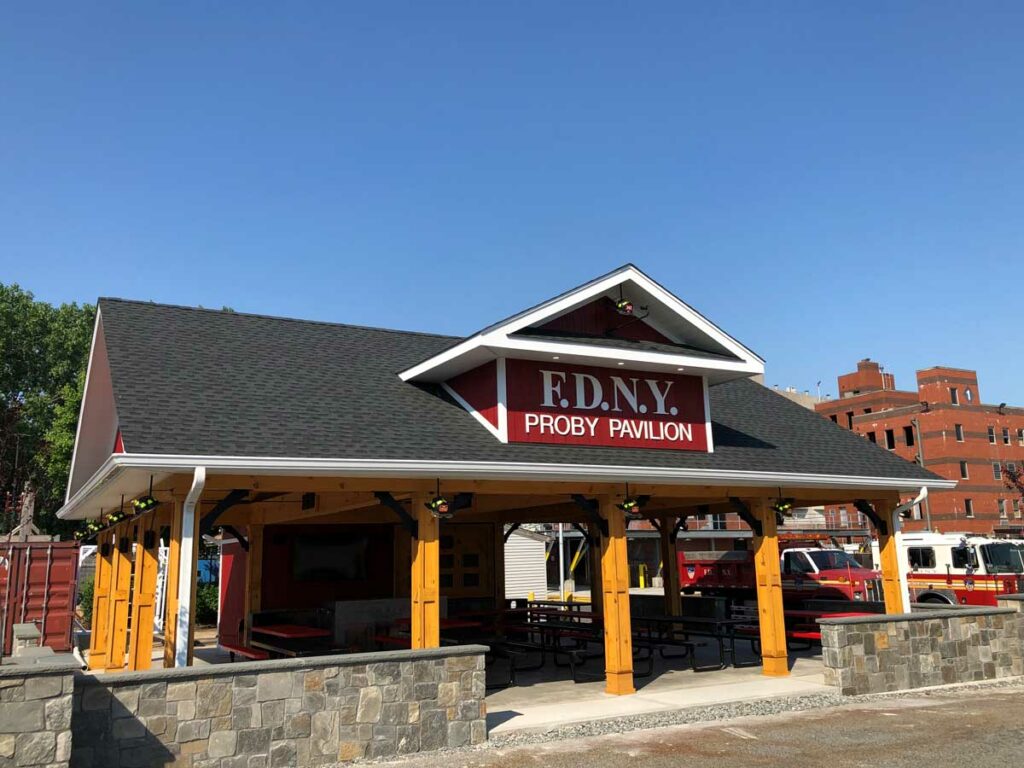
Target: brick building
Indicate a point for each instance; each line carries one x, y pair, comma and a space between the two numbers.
945, 425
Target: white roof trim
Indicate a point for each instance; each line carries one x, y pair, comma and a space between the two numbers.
147, 464
498, 337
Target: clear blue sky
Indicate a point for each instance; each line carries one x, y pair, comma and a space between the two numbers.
826, 181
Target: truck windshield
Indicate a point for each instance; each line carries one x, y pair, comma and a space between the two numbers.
830, 559
1002, 558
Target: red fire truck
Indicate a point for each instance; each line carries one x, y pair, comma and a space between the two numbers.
959, 569
807, 573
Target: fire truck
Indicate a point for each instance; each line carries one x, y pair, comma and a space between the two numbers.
807, 573
960, 569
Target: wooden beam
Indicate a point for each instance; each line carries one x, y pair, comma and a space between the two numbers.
888, 555
117, 613
670, 570
98, 638
147, 564
253, 577
774, 653
171, 582
426, 602
618, 635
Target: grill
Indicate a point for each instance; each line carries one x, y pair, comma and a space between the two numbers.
873, 590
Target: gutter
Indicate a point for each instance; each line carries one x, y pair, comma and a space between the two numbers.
478, 470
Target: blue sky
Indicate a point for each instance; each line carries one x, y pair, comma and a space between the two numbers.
825, 181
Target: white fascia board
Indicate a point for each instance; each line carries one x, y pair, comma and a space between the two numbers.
81, 409
479, 470
499, 338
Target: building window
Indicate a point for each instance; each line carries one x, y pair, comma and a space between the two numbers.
992, 435
997, 470
959, 428
835, 418
872, 438
849, 419
1001, 506
718, 521
963, 470
1006, 435
1011, 467
890, 439
970, 395
954, 396
1016, 508
844, 517
968, 507
908, 435
1020, 436
867, 410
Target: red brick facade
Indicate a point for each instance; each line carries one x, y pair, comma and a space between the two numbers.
945, 424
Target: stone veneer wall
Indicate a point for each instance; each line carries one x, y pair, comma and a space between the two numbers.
35, 714
914, 650
294, 712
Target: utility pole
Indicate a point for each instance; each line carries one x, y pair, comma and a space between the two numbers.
920, 461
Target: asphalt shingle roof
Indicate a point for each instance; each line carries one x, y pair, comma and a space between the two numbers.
205, 382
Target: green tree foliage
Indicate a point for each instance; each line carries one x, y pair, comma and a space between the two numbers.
44, 351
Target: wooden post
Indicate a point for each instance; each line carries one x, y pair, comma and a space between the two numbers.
98, 638
147, 563
774, 653
670, 568
426, 601
120, 592
888, 555
171, 582
253, 578
618, 634
594, 560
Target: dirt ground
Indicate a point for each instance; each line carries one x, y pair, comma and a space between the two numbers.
962, 728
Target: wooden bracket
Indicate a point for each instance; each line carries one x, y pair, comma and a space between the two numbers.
882, 526
407, 520
679, 526
242, 541
512, 529
590, 507
210, 520
744, 512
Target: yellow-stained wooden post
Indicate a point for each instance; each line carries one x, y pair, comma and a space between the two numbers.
98, 639
670, 568
888, 555
120, 594
253, 577
171, 583
618, 635
426, 599
774, 654
147, 564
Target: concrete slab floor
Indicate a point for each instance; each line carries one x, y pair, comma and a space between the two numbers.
548, 698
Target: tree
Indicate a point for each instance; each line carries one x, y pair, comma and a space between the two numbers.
1013, 476
44, 350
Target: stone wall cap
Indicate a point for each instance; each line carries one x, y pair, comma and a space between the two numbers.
41, 668
890, 618
280, 665
1018, 597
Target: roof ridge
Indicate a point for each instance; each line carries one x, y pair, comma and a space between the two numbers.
260, 315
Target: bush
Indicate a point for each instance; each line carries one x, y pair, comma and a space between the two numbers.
85, 600
206, 603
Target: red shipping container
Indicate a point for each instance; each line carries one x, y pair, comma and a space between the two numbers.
37, 585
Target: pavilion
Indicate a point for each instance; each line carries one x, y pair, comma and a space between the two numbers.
285, 431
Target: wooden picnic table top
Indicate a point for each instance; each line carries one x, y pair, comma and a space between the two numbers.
726, 622
292, 631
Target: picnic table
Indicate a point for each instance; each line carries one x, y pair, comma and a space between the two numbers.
445, 623
723, 630
292, 631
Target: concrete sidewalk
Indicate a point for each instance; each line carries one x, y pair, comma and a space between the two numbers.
550, 705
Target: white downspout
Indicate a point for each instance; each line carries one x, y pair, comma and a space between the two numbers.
186, 566
897, 528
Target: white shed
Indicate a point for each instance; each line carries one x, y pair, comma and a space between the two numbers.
525, 565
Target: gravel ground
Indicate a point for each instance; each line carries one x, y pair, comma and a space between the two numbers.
621, 736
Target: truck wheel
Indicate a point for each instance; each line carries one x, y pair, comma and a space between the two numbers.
934, 600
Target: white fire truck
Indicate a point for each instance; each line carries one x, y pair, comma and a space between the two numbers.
959, 569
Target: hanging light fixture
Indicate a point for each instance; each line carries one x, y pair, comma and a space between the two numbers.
631, 506
783, 508
439, 506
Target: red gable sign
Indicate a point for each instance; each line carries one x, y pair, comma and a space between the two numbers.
578, 405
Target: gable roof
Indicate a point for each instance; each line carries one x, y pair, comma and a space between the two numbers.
197, 386
694, 343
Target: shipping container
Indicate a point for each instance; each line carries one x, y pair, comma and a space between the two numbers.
37, 585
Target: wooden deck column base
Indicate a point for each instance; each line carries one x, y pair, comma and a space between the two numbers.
619, 683
774, 666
